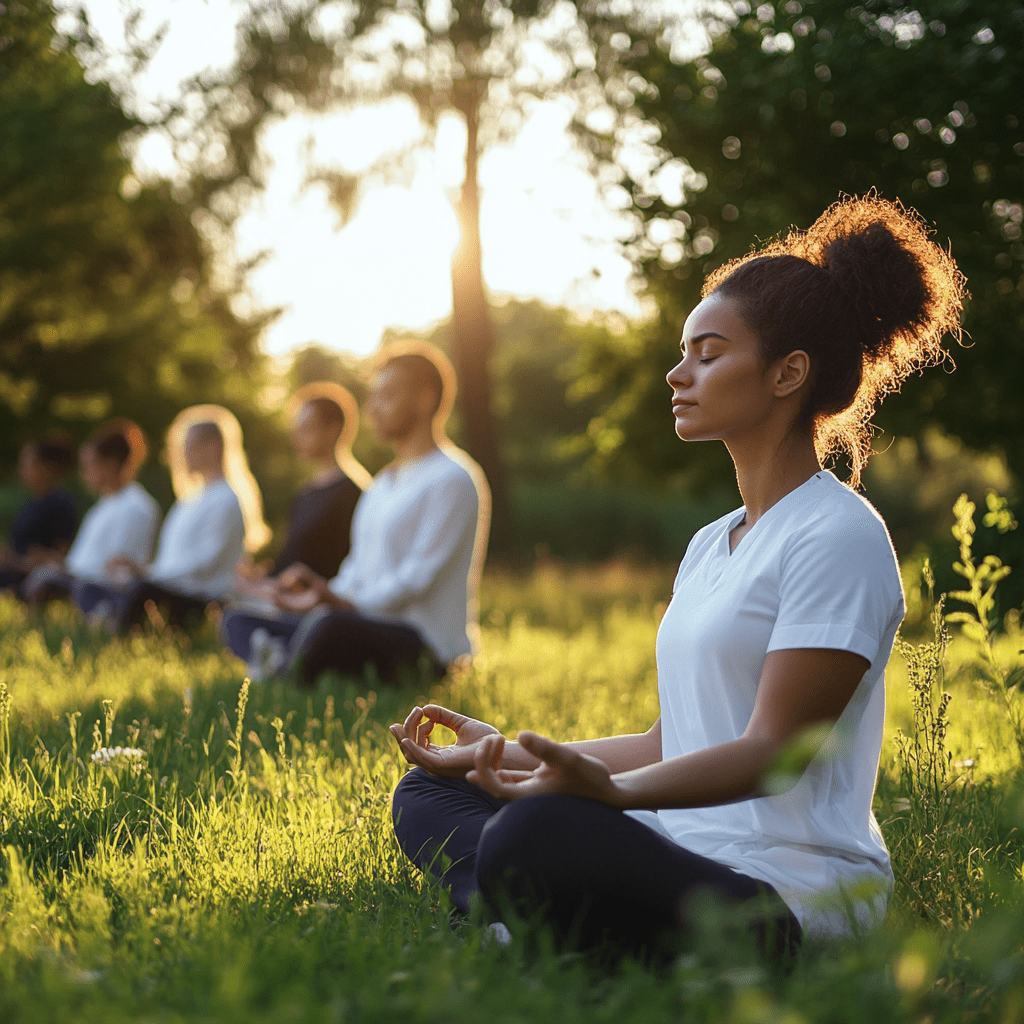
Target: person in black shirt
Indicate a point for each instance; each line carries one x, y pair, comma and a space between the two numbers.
325, 421
45, 525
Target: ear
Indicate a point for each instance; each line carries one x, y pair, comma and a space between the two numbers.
791, 373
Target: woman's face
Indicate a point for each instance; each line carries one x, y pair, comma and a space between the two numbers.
721, 387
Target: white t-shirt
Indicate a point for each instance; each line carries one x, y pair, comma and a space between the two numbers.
200, 543
817, 570
417, 537
120, 524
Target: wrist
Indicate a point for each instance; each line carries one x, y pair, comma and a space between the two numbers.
626, 792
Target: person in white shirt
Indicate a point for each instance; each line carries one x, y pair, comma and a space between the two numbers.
199, 546
404, 598
775, 643
122, 524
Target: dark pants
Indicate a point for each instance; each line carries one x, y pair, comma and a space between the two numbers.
595, 875
128, 606
345, 642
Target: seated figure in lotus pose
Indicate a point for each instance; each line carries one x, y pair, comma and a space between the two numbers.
781, 623
46, 523
122, 524
405, 596
202, 538
325, 420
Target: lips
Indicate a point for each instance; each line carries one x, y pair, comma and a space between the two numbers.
682, 404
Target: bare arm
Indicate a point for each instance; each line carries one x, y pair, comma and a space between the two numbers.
623, 753
618, 753
798, 689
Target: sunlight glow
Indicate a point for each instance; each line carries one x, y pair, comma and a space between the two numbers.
545, 231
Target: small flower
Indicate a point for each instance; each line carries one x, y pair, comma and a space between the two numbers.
118, 755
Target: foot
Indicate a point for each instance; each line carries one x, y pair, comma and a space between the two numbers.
267, 656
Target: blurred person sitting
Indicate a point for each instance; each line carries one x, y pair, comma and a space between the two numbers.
45, 525
325, 420
122, 524
405, 597
217, 512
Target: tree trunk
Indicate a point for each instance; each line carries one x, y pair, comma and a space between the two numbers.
472, 334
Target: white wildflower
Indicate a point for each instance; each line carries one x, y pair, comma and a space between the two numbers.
118, 755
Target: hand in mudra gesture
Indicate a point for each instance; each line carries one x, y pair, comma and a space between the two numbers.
413, 736
562, 770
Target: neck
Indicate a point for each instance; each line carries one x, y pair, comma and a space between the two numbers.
325, 469
211, 476
418, 442
766, 473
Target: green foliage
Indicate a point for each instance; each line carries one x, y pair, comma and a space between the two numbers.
107, 302
979, 624
798, 102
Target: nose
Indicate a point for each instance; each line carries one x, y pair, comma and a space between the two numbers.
679, 376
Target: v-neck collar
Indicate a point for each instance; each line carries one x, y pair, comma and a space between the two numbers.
740, 514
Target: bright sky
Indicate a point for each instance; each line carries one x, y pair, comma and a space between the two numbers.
545, 232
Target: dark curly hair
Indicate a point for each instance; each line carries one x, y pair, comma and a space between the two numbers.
866, 294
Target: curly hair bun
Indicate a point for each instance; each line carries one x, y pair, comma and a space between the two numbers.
905, 290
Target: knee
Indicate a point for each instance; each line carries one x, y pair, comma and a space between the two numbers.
235, 631
411, 799
517, 837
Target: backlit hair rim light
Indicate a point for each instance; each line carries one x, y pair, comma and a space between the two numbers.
440, 361
132, 433
344, 399
236, 467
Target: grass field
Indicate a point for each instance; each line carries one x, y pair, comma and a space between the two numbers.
242, 867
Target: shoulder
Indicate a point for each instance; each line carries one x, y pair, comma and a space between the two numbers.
452, 467
220, 495
138, 496
836, 512
835, 525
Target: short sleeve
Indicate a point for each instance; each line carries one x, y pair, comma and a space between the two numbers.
839, 589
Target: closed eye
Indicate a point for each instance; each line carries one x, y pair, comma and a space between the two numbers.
707, 359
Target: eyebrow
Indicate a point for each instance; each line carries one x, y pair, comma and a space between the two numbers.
704, 337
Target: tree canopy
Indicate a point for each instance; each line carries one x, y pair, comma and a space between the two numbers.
795, 103
108, 301
480, 61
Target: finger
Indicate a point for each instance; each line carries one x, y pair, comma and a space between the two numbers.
546, 749
415, 754
513, 775
412, 720
486, 761
426, 759
445, 716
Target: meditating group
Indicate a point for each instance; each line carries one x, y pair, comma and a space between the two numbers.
781, 623
375, 575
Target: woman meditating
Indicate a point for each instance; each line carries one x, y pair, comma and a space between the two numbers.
122, 524
781, 622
